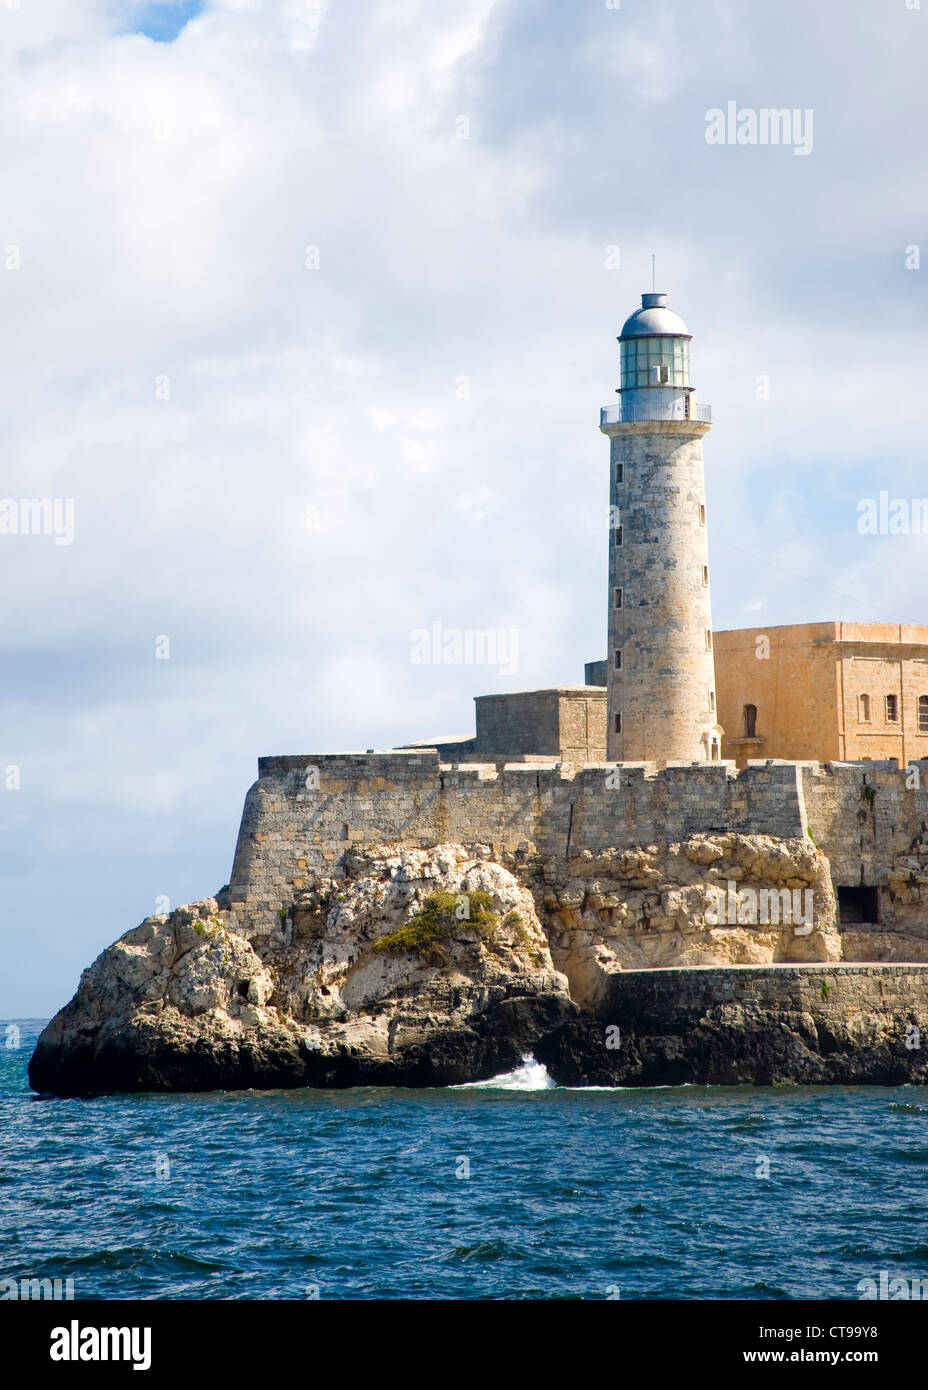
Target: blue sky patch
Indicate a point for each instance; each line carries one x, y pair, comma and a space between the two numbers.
164, 20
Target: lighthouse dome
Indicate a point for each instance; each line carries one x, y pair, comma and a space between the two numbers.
654, 319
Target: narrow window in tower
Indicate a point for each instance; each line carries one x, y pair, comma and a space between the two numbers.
708, 639
618, 598
620, 472
618, 535
702, 514
712, 700
618, 723
705, 575
923, 714
618, 659
863, 711
750, 721
892, 709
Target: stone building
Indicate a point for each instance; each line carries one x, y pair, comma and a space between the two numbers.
661, 684
834, 691
565, 723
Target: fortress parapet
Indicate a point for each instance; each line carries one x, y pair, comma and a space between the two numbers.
304, 811
870, 819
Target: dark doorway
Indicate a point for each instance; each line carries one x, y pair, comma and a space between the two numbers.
858, 905
750, 721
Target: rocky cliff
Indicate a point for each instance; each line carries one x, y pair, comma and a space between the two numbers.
439, 966
412, 968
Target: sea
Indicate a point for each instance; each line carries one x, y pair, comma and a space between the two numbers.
510, 1189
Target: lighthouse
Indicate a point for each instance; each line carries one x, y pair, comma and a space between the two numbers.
661, 702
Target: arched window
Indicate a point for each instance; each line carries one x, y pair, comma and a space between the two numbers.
750, 721
923, 714
863, 709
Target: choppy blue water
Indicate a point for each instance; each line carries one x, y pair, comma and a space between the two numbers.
363, 1193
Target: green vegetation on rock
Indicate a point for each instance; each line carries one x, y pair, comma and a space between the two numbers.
439, 918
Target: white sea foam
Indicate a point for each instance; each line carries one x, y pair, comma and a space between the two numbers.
530, 1076
533, 1076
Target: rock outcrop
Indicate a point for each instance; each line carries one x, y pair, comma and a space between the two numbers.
417, 967
726, 899
439, 966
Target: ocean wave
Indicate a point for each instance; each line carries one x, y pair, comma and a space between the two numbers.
135, 1258
530, 1076
482, 1250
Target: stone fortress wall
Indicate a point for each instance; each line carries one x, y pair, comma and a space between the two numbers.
304, 811
414, 799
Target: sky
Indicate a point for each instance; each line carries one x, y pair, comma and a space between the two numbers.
307, 312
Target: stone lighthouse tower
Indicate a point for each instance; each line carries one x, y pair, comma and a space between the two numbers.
661, 677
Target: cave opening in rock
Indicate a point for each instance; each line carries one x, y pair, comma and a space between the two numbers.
858, 904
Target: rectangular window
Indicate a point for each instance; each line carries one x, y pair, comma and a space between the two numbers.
892, 708
618, 723
863, 708
702, 514
618, 659
618, 598
618, 535
712, 700
923, 714
705, 575
708, 639
620, 472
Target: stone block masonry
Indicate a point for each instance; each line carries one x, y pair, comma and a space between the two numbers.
813, 1024
829, 691
565, 721
304, 811
661, 702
